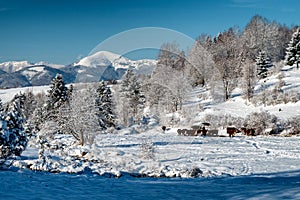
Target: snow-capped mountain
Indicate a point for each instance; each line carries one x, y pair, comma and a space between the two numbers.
13, 66
101, 58
102, 65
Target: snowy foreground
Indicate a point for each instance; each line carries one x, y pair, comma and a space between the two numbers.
157, 154
263, 167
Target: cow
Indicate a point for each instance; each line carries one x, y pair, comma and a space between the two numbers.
248, 131
231, 131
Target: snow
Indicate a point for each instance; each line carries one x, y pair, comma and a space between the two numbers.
101, 58
56, 66
158, 154
31, 72
7, 95
13, 66
261, 162
105, 58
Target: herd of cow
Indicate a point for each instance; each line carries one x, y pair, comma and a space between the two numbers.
202, 131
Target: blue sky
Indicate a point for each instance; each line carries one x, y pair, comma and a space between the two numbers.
61, 31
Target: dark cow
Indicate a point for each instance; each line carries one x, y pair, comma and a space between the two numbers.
248, 131
231, 131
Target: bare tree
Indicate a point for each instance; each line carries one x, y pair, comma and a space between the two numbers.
227, 57
249, 78
169, 82
200, 65
79, 117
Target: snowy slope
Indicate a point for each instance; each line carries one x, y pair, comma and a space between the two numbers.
13, 66
101, 58
105, 65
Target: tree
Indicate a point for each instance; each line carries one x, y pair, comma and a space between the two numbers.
13, 139
105, 106
263, 64
169, 80
226, 53
262, 35
132, 97
58, 93
200, 65
293, 50
79, 117
249, 78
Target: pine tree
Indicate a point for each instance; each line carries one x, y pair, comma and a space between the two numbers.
105, 106
13, 139
263, 64
293, 50
133, 98
58, 93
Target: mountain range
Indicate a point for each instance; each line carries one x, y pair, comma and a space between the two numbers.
102, 65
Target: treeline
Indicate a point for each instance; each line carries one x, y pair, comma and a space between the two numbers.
232, 59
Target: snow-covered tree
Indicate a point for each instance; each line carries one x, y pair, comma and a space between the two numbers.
58, 93
105, 106
262, 35
200, 64
79, 117
293, 50
13, 139
169, 82
228, 61
263, 63
132, 99
249, 78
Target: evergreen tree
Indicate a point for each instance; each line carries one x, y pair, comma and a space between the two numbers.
58, 93
105, 106
293, 50
133, 98
13, 139
263, 64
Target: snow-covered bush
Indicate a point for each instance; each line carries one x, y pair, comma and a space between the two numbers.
260, 121
217, 121
147, 150
293, 125
274, 97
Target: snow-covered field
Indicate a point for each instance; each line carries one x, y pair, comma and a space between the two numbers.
158, 154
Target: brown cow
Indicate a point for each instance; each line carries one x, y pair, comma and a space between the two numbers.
248, 131
231, 131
